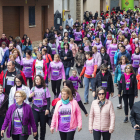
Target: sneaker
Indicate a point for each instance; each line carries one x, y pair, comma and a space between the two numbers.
81, 86
90, 88
125, 120
71, 68
86, 103
119, 106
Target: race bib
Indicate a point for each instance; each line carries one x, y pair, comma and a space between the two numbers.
74, 83
55, 73
28, 69
38, 101
135, 62
104, 84
66, 118
40, 72
113, 52
127, 84
17, 123
10, 81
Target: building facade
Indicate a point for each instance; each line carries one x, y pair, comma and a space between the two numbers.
30, 17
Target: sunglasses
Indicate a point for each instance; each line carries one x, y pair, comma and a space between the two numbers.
127, 68
101, 94
104, 70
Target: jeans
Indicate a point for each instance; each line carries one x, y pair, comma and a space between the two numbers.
40, 117
67, 135
20, 137
137, 135
86, 82
97, 135
1, 122
67, 70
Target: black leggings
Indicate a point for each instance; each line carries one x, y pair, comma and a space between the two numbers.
56, 86
1, 122
67, 135
127, 97
97, 135
120, 98
40, 117
20, 137
30, 82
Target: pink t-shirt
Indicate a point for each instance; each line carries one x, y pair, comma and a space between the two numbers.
89, 64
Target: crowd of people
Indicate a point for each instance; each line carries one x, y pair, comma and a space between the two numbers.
104, 49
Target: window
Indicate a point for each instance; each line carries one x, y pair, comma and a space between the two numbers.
31, 15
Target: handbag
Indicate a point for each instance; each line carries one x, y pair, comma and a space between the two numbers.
24, 127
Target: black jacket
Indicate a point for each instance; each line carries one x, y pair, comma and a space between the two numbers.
106, 59
135, 114
98, 82
67, 62
133, 85
4, 105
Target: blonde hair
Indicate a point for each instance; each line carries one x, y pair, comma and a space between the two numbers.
57, 55
65, 38
74, 71
88, 42
85, 38
16, 50
22, 93
68, 91
72, 39
94, 47
34, 49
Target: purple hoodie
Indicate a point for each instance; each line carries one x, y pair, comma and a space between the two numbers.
75, 81
135, 60
56, 69
28, 119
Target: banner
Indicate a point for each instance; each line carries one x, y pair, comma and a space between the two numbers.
127, 4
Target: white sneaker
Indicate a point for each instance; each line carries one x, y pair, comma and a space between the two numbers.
119, 106
72, 68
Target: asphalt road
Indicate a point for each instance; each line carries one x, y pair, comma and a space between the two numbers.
122, 131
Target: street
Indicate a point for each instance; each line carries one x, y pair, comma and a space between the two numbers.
122, 131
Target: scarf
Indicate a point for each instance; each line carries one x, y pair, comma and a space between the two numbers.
65, 101
101, 103
19, 106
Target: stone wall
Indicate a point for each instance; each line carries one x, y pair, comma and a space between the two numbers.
78, 10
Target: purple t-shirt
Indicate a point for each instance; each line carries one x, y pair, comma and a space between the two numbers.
86, 48
53, 48
98, 45
64, 118
108, 42
128, 48
78, 36
75, 81
123, 68
56, 69
112, 49
136, 60
18, 60
77, 97
40, 98
89, 64
17, 129
5, 49
1, 98
27, 67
